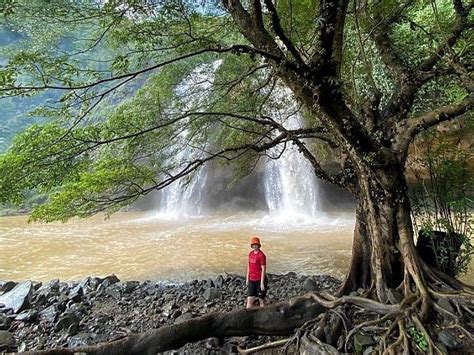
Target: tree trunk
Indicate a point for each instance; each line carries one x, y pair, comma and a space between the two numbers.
383, 250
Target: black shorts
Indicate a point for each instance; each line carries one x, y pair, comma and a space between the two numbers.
255, 291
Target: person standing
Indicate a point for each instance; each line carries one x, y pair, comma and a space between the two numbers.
256, 280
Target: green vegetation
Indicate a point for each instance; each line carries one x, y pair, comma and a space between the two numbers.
222, 82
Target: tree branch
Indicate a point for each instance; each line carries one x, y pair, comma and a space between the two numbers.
409, 129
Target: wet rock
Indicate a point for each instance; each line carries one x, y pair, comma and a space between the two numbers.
81, 339
176, 314
6, 340
49, 314
27, 316
7, 286
448, 339
212, 294
5, 322
19, 297
183, 318
309, 284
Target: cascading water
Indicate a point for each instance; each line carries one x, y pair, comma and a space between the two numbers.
185, 198
291, 188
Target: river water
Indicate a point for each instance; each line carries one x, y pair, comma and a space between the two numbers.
138, 245
145, 246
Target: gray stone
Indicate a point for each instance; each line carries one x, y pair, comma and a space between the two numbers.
219, 281
309, 284
448, 339
81, 339
209, 283
27, 316
19, 297
49, 314
212, 294
6, 340
49, 289
5, 322
7, 286
114, 292
110, 280
212, 343
183, 318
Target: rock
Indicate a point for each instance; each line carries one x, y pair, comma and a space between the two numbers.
5, 322
110, 280
362, 341
95, 282
65, 322
76, 293
448, 339
49, 314
368, 351
49, 289
212, 294
6, 340
19, 297
129, 286
309, 284
209, 283
7, 286
81, 339
219, 281
114, 292
27, 316
212, 343
183, 318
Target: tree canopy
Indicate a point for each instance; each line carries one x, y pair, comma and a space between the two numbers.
239, 115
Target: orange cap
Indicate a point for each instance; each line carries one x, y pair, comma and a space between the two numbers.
255, 240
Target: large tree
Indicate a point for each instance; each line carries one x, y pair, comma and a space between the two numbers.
367, 76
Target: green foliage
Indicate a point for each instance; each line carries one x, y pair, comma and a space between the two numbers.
418, 339
442, 201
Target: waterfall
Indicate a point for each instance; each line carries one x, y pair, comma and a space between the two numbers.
291, 187
184, 198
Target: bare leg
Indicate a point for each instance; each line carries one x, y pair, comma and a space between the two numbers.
261, 302
250, 302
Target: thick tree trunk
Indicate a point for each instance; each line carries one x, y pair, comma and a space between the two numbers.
383, 250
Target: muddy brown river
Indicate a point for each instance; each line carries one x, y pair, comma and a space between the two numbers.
146, 246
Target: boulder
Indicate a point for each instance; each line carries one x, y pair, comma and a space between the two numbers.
19, 297
7, 286
110, 280
212, 294
448, 339
219, 281
49, 314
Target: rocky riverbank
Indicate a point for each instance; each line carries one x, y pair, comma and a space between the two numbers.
36, 316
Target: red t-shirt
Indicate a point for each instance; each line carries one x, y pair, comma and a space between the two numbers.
256, 261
